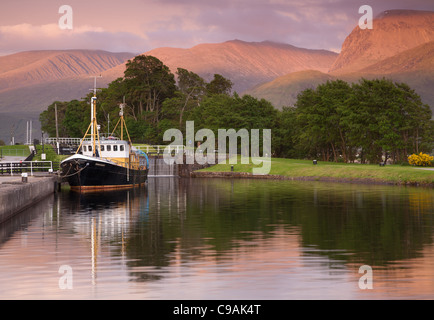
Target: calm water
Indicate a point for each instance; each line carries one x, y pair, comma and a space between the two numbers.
223, 239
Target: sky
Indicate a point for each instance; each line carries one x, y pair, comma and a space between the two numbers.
138, 26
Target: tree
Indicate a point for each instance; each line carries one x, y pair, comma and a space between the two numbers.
284, 133
48, 119
74, 121
148, 83
192, 87
219, 85
378, 119
225, 112
387, 119
311, 137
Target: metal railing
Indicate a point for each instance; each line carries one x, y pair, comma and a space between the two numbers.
159, 149
25, 166
69, 141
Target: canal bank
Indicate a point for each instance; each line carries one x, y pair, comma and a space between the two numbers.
16, 195
304, 170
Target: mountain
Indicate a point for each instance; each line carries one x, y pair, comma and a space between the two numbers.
29, 68
30, 81
393, 31
415, 59
400, 47
245, 63
283, 90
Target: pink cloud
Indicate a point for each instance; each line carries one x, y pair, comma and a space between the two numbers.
141, 25
24, 37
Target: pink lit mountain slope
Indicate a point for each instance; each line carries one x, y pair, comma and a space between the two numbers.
30, 81
246, 64
394, 31
400, 47
29, 68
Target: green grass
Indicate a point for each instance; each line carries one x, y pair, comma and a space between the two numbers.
50, 154
304, 168
17, 150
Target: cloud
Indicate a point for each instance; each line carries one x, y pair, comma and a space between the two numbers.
141, 25
24, 37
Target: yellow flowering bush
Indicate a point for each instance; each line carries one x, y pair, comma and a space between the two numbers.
421, 160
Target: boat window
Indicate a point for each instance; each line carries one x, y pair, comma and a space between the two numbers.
90, 148
102, 148
121, 147
109, 148
84, 149
115, 148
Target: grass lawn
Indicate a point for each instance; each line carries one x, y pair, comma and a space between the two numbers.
17, 150
50, 154
305, 168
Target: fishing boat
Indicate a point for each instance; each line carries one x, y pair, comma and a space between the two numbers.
105, 162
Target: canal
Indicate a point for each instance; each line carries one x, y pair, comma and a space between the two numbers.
223, 239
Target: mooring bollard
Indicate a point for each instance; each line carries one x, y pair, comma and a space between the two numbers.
24, 177
315, 162
232, 168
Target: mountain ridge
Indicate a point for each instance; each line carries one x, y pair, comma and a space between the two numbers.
245, 63
411, 62
364, 47
400, 47
46, 66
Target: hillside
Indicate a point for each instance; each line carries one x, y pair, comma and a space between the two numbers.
30, 81
394, 31
283, 90
414, 59
400, 47
414, 67
245, 63
35, 67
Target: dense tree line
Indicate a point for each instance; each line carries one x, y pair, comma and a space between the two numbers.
373, 120
369, 120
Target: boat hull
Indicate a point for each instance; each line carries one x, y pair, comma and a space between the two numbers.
86, 174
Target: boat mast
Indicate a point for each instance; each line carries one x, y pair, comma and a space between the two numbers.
122, 122
93, 126
94, 134
121, 114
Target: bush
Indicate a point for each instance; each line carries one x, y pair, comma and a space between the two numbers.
421, 160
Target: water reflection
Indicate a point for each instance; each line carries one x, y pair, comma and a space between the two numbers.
211, 238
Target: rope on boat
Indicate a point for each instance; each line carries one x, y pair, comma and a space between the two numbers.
70, 166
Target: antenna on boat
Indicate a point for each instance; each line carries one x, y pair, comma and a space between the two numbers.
93, 126
122, 121
94, 84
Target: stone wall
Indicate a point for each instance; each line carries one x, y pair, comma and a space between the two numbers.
17, 196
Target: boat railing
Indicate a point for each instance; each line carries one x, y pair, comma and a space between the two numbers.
160, 149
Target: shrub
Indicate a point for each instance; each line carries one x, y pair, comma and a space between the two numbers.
421, 160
